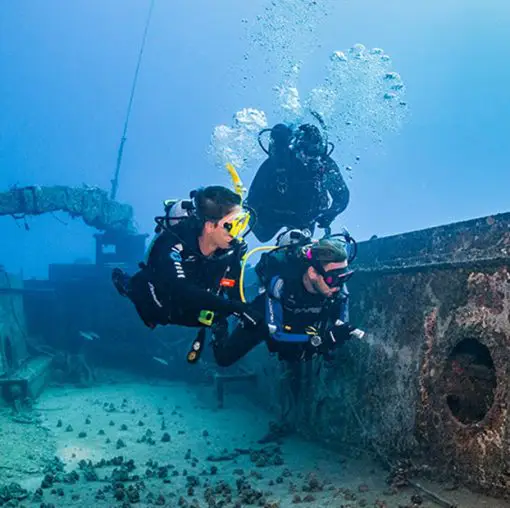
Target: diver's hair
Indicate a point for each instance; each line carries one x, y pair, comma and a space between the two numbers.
215, 202
329, 251
309, 138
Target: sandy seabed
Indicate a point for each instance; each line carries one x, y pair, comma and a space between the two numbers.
203, 454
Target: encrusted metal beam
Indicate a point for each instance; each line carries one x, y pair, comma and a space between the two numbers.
92, 204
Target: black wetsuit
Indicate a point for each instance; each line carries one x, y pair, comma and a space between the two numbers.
287, 193
178, 281
296, 310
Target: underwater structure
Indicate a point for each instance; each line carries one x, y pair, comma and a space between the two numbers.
431, 382
427, 389
41, 318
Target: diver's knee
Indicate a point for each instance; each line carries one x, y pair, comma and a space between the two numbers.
222, 354
223, 360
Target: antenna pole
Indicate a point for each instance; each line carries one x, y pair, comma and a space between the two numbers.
115, 181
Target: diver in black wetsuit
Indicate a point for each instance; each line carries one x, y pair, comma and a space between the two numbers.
192, 265
305, 303
293, 186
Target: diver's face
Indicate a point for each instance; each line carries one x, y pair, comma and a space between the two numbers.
317, 282
218, 232
309, 159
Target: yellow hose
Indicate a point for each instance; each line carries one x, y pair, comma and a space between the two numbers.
240, 190
243, 267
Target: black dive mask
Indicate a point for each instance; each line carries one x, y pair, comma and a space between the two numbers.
336, 278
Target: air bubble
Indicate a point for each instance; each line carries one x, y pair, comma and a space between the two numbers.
237, 143
358, 48
338, 56
392, 75
360, 100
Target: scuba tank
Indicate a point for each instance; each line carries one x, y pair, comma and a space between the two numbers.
284, 139
279, 140
278, 149
293, 237
176, 210
179, 210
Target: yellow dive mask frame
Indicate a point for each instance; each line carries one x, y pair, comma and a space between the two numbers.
240, 223
237, 225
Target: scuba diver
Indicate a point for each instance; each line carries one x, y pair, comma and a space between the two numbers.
193, 264
304, 299
294, 185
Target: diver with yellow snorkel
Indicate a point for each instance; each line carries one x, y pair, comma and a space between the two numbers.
191, 273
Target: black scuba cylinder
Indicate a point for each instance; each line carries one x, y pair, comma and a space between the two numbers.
279, 140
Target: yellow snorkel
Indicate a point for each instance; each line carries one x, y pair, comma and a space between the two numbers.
239, 188
239, 225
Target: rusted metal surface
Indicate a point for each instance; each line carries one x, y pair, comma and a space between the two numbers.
432, 379
485, 239
476, 445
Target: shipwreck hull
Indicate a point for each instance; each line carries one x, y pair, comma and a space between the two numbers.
462, 415
431, 381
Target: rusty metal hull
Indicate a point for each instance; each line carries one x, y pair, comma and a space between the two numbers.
431, 381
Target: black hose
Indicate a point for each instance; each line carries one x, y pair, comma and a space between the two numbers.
353, 251
259, 138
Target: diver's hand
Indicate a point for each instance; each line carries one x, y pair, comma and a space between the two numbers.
338, 334
250, 319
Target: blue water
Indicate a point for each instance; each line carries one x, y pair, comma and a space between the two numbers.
415, 99
67, 70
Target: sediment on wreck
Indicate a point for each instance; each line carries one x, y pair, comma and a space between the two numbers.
431, 379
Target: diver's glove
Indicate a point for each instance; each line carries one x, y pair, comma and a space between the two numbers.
341, 332
250, 318
325, 219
